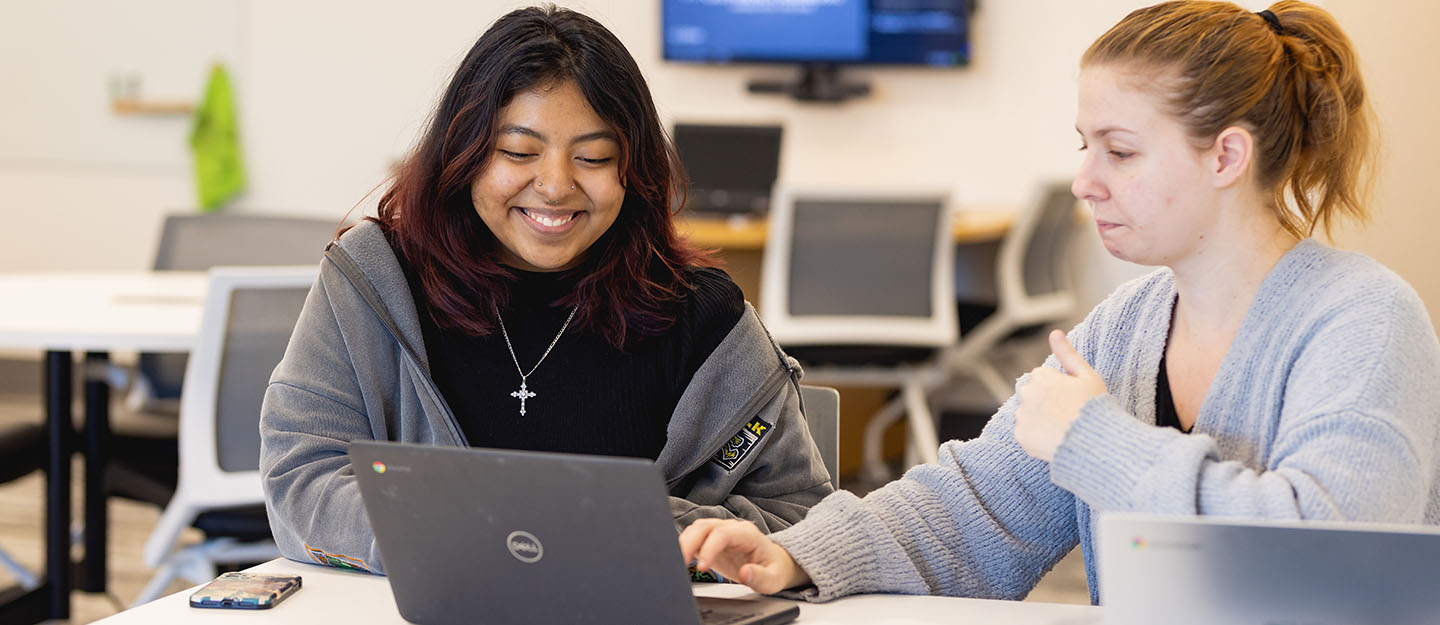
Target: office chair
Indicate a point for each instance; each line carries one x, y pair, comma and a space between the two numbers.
1034, 288
822, 416
197, 242
143, 454
860, 289
249, 314
1033, 284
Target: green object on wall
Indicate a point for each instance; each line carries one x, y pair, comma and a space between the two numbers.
215, 142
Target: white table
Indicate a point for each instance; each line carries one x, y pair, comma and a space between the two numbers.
153, 311
95, 313
329, 595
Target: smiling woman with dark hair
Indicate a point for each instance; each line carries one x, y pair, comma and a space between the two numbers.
523, 287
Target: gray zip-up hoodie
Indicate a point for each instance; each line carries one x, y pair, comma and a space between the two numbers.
356, 369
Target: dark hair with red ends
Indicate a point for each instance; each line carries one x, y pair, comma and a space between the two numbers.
636, 269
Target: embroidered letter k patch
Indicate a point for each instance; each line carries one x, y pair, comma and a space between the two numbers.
734, 450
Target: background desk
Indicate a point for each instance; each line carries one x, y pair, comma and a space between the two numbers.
95, 313
330, 595
748, 233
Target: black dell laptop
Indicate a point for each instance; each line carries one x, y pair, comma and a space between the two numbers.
495, 536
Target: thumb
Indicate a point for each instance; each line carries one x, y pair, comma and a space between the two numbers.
771, 575
760, 578
1073, 362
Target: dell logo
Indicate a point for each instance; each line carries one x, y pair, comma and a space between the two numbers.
524, 546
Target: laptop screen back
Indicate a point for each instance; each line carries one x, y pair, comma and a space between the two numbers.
1204, 571
484, 536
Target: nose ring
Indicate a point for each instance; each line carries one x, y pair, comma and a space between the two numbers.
541, 185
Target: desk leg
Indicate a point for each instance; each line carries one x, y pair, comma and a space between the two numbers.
97, 434
51, 601
58, 390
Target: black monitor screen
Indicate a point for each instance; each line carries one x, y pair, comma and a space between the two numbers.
731, 168
900, 32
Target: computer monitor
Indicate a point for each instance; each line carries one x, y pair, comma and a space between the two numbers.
732, 168
886, 32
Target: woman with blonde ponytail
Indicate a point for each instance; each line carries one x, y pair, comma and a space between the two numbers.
1256, 373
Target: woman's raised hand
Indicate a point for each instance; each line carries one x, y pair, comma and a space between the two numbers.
1051, 400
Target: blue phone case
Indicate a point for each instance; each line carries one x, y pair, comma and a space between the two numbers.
245, 591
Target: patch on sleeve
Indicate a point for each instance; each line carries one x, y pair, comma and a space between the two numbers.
336, 560
739, 445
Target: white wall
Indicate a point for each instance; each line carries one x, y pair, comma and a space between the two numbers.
1400, 55
332, 93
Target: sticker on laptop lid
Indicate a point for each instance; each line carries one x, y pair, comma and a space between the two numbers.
733, 452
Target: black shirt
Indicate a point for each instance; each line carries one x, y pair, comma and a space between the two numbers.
1165, 413
589, 397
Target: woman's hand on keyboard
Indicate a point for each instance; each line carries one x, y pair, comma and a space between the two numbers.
738, 551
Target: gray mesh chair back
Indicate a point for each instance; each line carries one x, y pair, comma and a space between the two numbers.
248, 317
1034, 284
199, 242
859, 270
258, 329
862, 257
1045, 269
192, 242
860, 288
822, 415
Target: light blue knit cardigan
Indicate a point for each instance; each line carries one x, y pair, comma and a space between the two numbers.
1325, 407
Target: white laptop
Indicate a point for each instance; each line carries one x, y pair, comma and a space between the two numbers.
1213, 571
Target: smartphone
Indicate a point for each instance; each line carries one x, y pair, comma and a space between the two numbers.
245, 591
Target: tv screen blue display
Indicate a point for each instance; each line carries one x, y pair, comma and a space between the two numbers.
890, 32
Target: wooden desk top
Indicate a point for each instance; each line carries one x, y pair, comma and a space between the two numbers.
748, 233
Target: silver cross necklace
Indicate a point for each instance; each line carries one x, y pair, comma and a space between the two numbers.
524, 393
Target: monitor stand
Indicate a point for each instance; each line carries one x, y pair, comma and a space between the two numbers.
819, 82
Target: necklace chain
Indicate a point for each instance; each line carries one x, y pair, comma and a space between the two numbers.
524, 392
504, 333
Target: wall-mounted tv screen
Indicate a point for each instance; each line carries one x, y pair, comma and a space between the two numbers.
886, 32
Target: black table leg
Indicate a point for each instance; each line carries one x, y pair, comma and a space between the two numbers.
58, 390
97, 434
51, 601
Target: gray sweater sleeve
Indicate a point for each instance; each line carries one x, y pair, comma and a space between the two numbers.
312, 498
984, 522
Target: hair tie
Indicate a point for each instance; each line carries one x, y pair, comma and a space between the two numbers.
1273, 21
